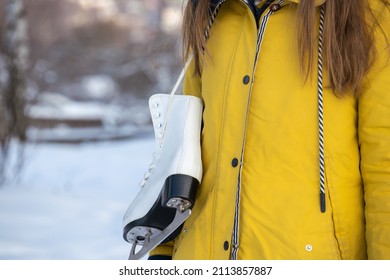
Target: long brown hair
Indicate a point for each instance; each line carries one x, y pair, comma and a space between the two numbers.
348, 44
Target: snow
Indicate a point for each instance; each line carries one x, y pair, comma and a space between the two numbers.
69, 199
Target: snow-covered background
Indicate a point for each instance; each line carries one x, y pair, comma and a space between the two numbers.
69, 199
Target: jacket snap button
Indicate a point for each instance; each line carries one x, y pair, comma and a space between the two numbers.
246, 79
226, 245
234, 162
274, 7
309, 247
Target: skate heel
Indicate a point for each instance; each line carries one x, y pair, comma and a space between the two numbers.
152, 223
164, 220
179, 192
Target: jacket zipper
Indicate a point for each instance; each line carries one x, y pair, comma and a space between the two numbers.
261, 31
258, 11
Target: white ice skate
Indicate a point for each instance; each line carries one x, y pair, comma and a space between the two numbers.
169, 187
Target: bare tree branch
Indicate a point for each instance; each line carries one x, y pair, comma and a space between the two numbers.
12, 101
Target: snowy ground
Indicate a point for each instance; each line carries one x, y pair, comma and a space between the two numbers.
69, 200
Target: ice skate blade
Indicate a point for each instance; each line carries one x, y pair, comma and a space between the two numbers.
150, 242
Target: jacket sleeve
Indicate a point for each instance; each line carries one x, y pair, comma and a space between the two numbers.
374, 140
191, 86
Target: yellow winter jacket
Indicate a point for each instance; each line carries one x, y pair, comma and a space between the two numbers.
259, 197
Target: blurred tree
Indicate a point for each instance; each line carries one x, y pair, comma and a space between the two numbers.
13, 88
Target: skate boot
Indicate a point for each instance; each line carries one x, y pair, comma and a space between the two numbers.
169, 186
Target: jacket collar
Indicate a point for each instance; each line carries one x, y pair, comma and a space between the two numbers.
317, 2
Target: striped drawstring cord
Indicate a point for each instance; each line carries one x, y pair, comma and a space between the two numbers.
213, 15
321, 113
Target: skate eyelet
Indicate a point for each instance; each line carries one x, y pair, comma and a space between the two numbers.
158, 125
155, 105
147, 175
156, 114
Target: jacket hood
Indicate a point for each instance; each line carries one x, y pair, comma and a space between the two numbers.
317, 2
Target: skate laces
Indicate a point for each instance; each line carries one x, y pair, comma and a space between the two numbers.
151, 167
159, 126
156, 114
175, 87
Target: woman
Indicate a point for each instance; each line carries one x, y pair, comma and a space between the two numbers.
296, 135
